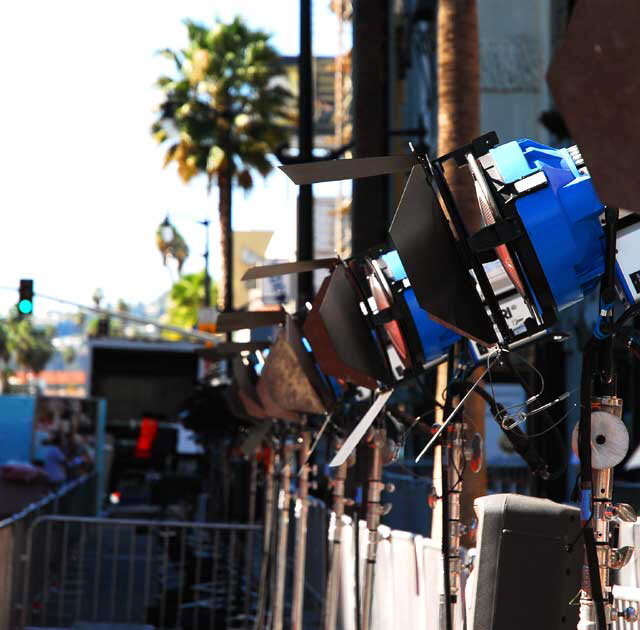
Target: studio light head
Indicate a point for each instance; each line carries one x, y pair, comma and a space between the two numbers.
245, 381
365, 326
540, 248
291, 376
540, 217
413, 339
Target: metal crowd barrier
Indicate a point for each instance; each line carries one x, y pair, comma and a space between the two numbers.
76, 497
508, 479
167, 574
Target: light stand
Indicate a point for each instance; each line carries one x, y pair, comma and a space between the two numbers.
253, 486
598, 395
333, 577
284, 504
269, 507
301, 516
452, 527
375, 510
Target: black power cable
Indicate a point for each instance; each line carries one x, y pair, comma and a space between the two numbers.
545, 415
519, 440
630, 313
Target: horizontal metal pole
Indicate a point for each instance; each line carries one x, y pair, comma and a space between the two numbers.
146, 523
138, 319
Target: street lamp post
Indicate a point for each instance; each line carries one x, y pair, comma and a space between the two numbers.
207, 279
168, 233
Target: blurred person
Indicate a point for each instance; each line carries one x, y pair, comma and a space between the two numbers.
54, 459
81, 453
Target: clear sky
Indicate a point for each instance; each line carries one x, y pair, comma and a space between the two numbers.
82, 188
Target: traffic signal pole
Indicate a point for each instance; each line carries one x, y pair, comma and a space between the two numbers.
305, 140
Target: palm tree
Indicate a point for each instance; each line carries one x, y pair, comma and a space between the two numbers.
459, 94
5, 357
30, 346
224, 111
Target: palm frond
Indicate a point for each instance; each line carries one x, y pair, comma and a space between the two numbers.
172, 55
227, 105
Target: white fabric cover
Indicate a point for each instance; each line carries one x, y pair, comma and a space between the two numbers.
408, 580
625, 596
630, 535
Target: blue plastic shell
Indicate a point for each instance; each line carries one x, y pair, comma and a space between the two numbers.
561, 219
434, 338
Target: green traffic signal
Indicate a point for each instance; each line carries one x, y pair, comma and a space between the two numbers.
25, 307
25, 297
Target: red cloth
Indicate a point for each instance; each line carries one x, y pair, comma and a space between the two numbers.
148, 432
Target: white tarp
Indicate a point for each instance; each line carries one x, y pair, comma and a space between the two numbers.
630, 535
408, 580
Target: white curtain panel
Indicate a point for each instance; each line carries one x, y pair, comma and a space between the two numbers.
408, 580
630, 535
625, 596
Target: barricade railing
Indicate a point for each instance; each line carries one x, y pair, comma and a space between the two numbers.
76, 497
514, 479
168, 574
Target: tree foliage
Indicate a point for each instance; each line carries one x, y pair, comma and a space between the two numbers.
69, 355
186, 297
5, 352
223, 103
224, 112
30, 346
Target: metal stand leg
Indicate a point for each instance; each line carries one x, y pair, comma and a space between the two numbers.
269, 506
374, 511
333, 577
253, 485
284, 504
455, 466
301, 515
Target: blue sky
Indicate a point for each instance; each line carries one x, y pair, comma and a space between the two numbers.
82, 188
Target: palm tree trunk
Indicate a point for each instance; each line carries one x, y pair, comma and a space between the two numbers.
226, 239
458, 124
459, 94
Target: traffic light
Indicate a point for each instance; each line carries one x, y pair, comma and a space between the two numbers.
25, 298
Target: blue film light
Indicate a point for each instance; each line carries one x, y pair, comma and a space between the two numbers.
25, 307
560, 218
434, 338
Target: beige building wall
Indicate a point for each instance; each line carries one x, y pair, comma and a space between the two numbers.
248, 251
